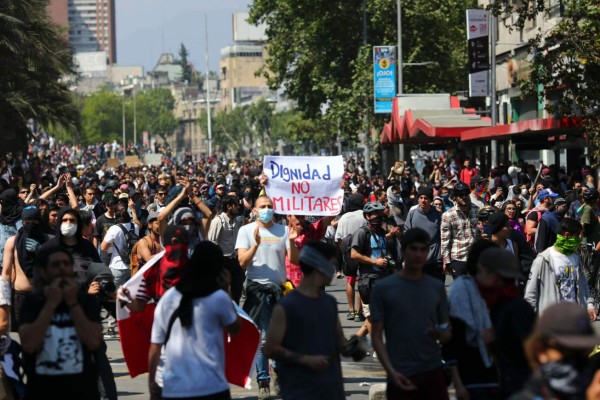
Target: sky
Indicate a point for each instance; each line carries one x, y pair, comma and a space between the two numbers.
147, 28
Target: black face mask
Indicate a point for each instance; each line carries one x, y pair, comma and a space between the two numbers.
376, 223
568, 376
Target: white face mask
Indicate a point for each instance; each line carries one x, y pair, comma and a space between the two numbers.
68, 230
524, 192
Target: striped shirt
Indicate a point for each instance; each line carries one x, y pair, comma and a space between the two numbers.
458, 232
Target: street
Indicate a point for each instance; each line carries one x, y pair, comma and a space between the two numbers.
358, 376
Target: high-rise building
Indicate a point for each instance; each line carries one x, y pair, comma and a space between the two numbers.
91, 25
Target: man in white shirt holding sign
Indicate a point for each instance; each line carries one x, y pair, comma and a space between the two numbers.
261, 247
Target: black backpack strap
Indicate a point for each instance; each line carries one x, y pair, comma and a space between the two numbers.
125, 232
171, 322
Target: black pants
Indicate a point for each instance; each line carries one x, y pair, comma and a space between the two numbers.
217, 396
457, 268
238, 276
106, 378
435, 270
15, 310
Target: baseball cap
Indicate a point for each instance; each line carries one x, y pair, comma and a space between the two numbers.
124, 187
502, 262
204, 187
546, 171
546, 193
497, 221
152, 217
220, 186
123, 196
568, 324
315, 259
559, 201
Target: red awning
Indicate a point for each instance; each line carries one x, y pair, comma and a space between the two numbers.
544, 125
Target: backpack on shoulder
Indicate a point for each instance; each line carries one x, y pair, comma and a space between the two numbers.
131, 240
350, 266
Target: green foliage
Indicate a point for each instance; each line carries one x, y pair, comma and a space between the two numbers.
155, 112
186, 67
318, 52
34, 60
102, 115
566, 63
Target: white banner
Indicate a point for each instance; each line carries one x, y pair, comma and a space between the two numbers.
305, 185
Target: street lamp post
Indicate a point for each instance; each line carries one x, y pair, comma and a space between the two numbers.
400, 65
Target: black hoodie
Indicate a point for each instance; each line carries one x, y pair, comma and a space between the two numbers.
83, 252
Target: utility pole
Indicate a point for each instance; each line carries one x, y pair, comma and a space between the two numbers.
400, 65
367, 140
208, 89
493, 105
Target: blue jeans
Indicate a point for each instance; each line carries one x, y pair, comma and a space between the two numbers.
121, 276
7, 231
263, 320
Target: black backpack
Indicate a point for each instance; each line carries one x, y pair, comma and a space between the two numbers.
130, 240
350, 266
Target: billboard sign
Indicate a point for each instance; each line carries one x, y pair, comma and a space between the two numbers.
384, 78
478, 52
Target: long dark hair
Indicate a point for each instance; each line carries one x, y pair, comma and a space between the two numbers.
199, 278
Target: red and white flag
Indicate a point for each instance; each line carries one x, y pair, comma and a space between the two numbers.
135, 329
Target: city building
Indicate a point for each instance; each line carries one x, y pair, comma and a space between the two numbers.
240, 61
91, 25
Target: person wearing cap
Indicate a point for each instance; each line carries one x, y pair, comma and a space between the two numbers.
428, 218
458, 230
558, 351
308, 360
512, 317
223, 232
411, 353
371, 251
589, 218
557, 273
261, 250
546, 230
545, 197
350, 222
500, 232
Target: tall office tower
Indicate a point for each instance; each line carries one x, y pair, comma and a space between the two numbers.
91, 25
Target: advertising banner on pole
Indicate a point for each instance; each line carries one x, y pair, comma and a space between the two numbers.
305, 185
384, 75
478, 52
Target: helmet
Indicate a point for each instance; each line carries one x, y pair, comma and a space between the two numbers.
373, 206
590, 195
485, 212
461, 188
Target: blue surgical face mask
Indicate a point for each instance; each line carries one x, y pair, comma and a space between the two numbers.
265, 215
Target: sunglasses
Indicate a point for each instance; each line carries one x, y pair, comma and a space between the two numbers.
24, 192
161, 194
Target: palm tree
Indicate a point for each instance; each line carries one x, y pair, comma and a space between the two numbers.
35, 61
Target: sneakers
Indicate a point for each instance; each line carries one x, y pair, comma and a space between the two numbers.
339, 275
351, 315
264, 392
359, 317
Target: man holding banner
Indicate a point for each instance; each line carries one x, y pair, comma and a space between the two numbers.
262, 247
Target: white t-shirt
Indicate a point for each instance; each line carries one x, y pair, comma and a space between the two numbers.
115, 236
268, 264
349, 223
194, 357
565, 271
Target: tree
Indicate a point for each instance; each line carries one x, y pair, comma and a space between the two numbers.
186, 67
35, 61
318, 52
293, 127
101, 116
259, 116
566, 63
155, 112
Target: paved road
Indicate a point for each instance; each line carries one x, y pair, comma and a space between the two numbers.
358, 377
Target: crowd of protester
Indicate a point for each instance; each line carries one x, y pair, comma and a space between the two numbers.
521, 243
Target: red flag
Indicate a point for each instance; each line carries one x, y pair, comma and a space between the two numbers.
135, 330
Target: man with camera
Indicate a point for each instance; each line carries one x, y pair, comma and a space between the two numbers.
370, 250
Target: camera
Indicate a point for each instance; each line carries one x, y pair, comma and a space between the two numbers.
108, 289
355, 348
99, 272
391, 262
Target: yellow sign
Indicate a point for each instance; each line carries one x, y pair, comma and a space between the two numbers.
112, 163
384, 63
132, 161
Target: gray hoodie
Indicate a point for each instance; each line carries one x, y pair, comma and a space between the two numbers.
542, 290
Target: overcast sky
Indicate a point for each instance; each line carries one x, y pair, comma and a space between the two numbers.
147, 28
